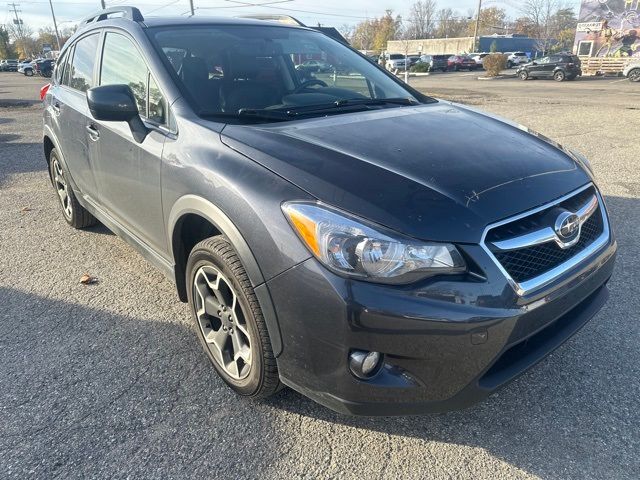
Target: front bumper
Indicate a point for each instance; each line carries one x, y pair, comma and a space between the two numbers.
448, 342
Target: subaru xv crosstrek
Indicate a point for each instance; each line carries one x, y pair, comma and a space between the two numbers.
337, 232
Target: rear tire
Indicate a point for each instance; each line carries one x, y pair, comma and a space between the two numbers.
559, 76
28, 72
74, 213
230, 324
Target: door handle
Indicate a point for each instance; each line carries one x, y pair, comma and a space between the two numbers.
93, 132
56, 107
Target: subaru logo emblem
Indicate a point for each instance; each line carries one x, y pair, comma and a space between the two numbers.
567, 225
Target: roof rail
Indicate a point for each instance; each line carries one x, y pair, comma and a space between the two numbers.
130, 13
286, 19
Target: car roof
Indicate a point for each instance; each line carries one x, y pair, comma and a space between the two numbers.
204, 20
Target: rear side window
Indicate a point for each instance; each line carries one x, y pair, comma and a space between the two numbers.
84, 57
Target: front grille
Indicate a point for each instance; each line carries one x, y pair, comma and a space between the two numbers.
532, 261
528, 263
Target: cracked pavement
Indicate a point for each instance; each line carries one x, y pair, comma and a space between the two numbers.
108, 380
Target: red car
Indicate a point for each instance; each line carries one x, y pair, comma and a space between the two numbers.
461, 62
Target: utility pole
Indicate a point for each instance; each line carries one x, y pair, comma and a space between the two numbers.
102, 4
17, 22
55, 25
476, 47
192, 9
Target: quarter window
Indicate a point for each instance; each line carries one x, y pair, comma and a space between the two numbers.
81, 71
60, 65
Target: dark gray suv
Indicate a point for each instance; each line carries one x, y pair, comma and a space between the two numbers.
334, 231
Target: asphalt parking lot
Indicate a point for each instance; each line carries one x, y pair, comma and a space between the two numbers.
108, 380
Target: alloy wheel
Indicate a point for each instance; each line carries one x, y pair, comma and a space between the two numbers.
222, 322
62, 188
634, 75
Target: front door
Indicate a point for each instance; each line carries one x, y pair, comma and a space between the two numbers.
128, 172
539, 69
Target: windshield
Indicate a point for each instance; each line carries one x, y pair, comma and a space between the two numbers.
227, 70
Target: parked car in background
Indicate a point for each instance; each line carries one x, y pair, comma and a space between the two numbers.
632, 71
461, 62
26, 68
413, 59
516, 58
479, 58
395, 61
44, 67
315, 66
8, 65
559, 67
435, 62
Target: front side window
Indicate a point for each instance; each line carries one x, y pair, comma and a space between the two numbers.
122, 64
84, 57
227, 70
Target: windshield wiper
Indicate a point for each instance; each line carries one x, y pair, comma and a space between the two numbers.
349, 104
375, 101
264, 114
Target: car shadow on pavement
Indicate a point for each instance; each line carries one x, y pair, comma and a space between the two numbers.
87, 393
19, 158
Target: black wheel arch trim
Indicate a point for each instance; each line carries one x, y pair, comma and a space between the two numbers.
193, 204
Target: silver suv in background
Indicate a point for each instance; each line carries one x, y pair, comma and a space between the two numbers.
395, 61
516, 58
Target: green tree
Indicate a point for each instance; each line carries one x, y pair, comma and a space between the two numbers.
6, 49
492, 20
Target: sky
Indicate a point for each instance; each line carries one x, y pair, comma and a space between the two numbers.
37, 14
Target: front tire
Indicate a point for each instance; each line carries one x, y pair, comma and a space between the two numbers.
524, 75
230, 324
634, 75
28, 72
559, 76
74, 213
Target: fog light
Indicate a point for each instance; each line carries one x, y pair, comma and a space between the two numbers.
365, 365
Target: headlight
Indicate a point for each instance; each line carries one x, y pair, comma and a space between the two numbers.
351, 246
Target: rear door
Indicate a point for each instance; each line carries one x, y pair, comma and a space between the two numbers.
554, 62
69, 104
128, 172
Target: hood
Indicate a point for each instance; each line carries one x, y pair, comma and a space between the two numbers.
435, 172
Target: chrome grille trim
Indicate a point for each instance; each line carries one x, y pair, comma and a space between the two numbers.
536, 283
547, 234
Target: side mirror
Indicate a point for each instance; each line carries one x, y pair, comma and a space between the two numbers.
116, 103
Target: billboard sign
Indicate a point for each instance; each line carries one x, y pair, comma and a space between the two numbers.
609, 28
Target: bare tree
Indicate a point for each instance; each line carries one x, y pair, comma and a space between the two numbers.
422, 19
450, 25
540, 14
